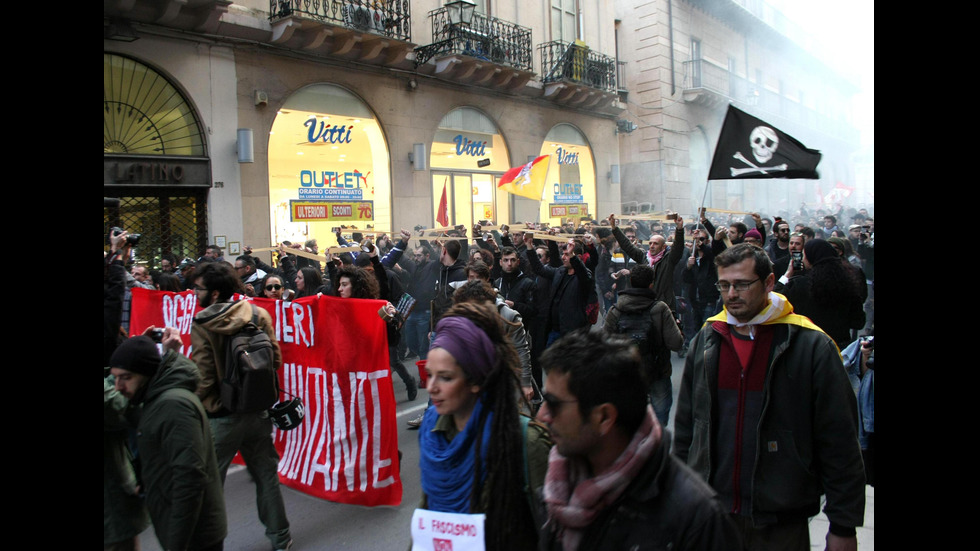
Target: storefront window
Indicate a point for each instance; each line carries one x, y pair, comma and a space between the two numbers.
570, 189
467, 138
328, 167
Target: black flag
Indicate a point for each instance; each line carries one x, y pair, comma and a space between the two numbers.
751, 148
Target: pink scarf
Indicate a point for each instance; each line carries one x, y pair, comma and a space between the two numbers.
574, 500
654, 258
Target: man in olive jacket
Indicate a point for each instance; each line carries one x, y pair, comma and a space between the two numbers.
180, 472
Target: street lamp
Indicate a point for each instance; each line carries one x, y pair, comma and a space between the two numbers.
460, 11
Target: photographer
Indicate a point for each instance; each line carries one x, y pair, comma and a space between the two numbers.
114, 288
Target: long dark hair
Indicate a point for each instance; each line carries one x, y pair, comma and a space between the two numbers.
830, 280
312, 281
168, 282
509, 522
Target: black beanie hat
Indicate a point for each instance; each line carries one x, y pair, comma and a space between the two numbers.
137, 354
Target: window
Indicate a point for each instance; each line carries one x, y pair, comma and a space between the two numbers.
563, 14
695, 63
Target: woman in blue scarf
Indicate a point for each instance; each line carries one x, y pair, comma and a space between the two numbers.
475, 449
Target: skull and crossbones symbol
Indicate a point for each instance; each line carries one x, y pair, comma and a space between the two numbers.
764, 142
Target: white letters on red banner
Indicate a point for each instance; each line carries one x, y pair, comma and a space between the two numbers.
335, 358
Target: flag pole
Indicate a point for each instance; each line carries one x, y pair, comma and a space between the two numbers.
707, 184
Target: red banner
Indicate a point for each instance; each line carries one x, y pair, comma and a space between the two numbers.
335, 358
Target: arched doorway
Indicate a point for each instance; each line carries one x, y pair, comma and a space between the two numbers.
465, 140
570, 190
155, 161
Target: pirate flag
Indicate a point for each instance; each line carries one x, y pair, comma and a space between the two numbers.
751, 148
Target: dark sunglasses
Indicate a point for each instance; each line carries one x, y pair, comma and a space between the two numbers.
273, 287
554, 404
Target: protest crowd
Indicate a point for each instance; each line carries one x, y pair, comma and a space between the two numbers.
547, 352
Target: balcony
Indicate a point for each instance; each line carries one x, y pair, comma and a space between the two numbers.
711, 85
574, 75
374, 31
707, 84
189, 15
488, 51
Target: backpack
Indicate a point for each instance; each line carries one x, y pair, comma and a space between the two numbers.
251, 383
637, 326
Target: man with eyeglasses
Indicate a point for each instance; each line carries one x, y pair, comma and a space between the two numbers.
612, 483
766, 414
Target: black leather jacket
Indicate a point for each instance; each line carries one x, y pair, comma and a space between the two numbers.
666, 507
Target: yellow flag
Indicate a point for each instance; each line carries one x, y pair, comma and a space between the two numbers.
527, 180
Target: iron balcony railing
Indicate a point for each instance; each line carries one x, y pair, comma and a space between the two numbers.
564, 61
391, 18
704, 75
621, 76
700, 73
487, 38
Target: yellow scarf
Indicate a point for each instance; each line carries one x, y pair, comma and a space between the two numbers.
779, 310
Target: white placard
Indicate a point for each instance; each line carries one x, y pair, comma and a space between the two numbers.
434, 531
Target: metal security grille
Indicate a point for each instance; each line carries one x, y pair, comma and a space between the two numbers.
169, 224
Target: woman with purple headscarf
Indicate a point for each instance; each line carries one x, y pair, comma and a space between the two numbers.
476, 449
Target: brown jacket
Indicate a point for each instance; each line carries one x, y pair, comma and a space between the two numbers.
209, 337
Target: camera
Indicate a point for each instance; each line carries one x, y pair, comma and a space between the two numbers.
157, 334
132, 239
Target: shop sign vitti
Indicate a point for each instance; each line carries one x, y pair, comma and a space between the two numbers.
327, 133
470, 147
566, 157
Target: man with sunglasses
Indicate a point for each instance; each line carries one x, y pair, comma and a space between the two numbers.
251, 275
700, 277
612, 483
766, 414
778, 247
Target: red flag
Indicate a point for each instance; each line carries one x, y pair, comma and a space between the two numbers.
442, 214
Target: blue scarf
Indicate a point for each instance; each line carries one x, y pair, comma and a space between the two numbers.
447, 467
